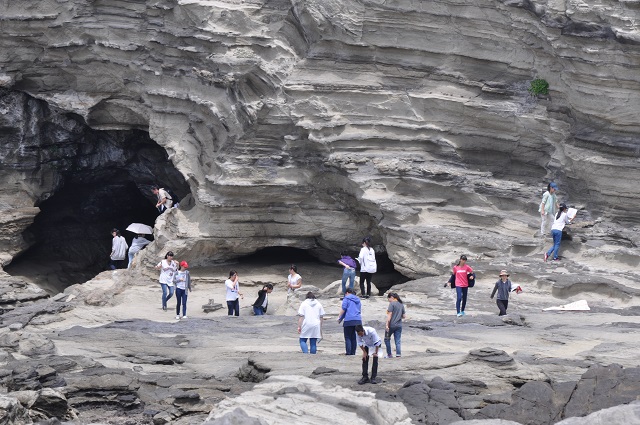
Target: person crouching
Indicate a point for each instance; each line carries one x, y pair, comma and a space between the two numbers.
370, 343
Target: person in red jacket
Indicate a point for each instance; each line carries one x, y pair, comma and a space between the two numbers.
460, 271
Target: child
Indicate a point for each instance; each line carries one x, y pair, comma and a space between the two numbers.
503, 287
370, 343
183, 283
556, 231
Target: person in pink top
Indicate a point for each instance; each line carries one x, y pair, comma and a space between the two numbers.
461, 271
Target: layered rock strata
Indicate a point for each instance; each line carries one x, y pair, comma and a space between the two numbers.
310, 123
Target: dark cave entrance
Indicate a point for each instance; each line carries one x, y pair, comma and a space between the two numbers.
282, 257
103, 180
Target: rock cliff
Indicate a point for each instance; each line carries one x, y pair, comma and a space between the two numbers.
310, 123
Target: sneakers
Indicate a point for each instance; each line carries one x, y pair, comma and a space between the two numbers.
164, 308
556, 259
373, 381
177, 317
184, 317
398, 355
387, 356
463, 313
459, 314
363, 380
546, 256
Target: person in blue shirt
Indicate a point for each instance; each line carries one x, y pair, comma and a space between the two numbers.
351, 313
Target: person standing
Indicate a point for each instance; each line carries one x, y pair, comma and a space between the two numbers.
118, 250
351, 313
260, 306
368, 266
395, 314
310, 323
369, 342
168, 268
164, 199
294, 280
562, 219
233, 294
137, 244
548, 207
183, 285
461, 272
503, 287
349, 272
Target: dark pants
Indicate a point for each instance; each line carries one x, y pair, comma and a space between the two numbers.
234, 308
258, 311
350, 342
181, 299
116, 264
365, 365
502, 305
365, 277
461, 300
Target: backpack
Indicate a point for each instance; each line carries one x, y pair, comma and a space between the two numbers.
370, 260
172, 195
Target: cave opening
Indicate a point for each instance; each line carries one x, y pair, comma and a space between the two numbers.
101, 179
319, 267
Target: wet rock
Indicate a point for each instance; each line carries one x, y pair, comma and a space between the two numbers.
602, 387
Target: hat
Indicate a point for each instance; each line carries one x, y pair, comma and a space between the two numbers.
184, 264
553, 186
503, 273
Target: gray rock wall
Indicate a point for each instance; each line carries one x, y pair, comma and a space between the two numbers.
312, 123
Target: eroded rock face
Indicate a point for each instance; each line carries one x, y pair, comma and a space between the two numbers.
310, 123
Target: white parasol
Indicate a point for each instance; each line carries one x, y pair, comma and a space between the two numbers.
141, 229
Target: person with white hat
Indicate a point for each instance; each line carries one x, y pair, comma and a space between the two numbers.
503, 286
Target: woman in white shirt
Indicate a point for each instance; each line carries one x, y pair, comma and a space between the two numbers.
556, 231
168, 268
310, 323
368, 266
233, 294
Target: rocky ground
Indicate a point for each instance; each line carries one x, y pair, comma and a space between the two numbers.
105, 352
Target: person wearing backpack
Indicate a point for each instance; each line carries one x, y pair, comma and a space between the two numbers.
368, 266
164, 199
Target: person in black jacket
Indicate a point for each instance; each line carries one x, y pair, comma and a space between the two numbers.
260, 306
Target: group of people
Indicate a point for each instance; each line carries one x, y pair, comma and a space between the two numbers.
366, 337
554, 216
119, 249
174, 276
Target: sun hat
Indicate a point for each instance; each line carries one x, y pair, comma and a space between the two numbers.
503, 273
184, 264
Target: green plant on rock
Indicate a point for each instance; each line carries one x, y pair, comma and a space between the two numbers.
539, 86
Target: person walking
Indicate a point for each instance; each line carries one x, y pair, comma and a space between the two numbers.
349, 271
503, 287
462, 271
393, 327
548, 207
168, 267
351, 313
233, 294
310, 323
137, 244
118, 250
369, 342
562, 219
261, 303
183, 286
368, 266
